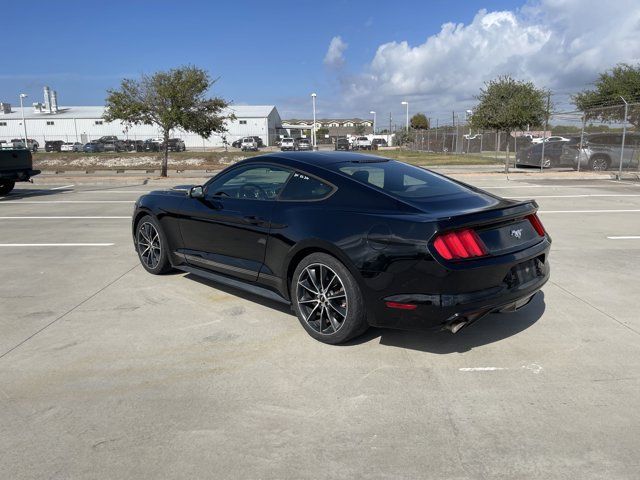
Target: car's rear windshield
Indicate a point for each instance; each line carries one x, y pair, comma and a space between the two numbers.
400, 179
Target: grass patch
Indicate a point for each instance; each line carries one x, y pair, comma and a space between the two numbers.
198, 160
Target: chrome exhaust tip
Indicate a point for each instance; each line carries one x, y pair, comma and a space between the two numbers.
455, 327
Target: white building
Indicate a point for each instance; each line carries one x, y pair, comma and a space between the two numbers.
83, 124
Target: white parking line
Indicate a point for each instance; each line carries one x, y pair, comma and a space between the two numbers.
63, 187
65, 218
56, 244
625, 237
587, 211
489, 187
115, 191
481, 369
19, 202
582, 196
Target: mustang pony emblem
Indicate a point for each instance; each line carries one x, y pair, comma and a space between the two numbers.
516, 233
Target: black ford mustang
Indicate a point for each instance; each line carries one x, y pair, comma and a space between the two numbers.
350, 241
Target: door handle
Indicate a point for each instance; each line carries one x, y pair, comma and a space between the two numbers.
253, 220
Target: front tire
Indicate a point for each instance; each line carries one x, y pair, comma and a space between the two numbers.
599, 164
6, 186
327, 299
152, 246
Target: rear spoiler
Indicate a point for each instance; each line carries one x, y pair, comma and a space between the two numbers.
492, 215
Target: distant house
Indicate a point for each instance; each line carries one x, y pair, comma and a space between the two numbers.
338, 127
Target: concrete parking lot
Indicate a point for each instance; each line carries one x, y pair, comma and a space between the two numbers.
109, 372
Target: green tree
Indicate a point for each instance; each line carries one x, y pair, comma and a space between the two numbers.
359, 129
505, 105
419, 122
604, 103
169, 99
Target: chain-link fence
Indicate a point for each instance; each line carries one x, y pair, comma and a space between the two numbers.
605, 138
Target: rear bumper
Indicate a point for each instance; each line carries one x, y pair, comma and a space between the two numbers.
435, 311
20, 175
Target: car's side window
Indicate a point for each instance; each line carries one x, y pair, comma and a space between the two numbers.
260, 182
305, 187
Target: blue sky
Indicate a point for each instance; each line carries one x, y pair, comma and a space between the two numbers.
274, 52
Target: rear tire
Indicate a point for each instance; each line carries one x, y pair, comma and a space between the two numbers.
6, 186
152, 246
327, 299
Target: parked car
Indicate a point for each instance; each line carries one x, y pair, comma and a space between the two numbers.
134, 145
553, 138
93, 146
258, 141
378, 142
237, 143
151, 145
435, 254
288, 144
304, 144
70, 147
32, 144
53, 145
601, 151
108, 138
114, 146
16, 165
175, 145
249, 143
342, 144
531, 156
362, 143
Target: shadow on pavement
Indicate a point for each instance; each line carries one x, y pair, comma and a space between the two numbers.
21, 193
490, 329
236, 292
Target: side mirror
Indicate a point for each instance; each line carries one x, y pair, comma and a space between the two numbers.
196, 192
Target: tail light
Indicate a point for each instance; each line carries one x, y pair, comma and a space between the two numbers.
459, 244
537, 224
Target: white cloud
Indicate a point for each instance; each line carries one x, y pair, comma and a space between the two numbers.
335, 52
558, 44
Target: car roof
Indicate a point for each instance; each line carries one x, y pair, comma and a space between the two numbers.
321, 158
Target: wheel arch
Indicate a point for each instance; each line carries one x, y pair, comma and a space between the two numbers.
308, 247
137, 216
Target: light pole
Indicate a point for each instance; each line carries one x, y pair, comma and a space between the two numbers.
374, 121
407, 105
24, 125
624, 134
313, 101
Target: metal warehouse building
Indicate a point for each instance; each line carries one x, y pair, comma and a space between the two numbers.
83, 124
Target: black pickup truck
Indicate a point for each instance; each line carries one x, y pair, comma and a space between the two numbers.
15, 166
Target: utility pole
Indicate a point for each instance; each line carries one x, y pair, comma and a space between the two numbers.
453, 116
24, 124
584, 122
624, 134
544, 134
313, 139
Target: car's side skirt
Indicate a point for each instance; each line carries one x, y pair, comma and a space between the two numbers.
232, 282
